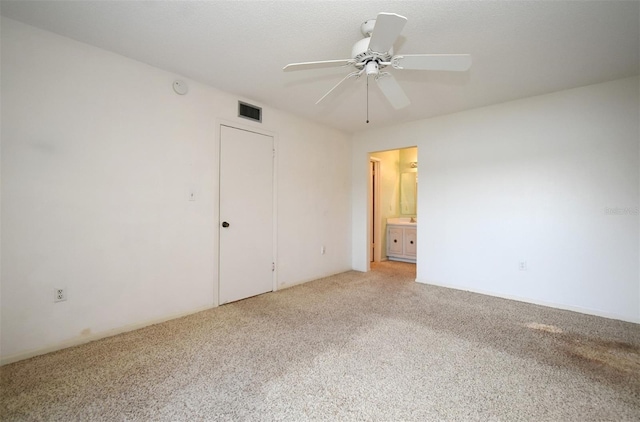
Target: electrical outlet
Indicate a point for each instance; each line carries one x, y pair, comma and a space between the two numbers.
522, 265
322, 250
60, 294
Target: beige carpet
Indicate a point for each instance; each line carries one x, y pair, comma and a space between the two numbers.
355, 346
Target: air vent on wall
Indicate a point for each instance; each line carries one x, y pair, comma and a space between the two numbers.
250, 112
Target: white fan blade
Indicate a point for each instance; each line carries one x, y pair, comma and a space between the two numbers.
317, 65
350, 75
455, 62
385, 32
392, 90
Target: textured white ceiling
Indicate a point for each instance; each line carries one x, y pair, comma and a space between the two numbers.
519, 48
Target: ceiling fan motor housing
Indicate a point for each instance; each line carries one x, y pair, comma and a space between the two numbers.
361, 53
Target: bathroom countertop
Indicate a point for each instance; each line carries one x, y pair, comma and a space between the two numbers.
402, 221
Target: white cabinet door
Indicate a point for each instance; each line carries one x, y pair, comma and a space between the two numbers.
410, 242
246, 214
401, 243
394, 238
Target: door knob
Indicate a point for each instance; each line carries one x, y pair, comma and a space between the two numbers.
225, 224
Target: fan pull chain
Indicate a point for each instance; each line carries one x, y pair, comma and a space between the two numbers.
367, 98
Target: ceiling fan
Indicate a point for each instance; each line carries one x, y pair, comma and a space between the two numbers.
375, 52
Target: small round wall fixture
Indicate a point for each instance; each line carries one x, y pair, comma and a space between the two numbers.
180, 87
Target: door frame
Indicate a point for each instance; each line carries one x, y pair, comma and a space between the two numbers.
216, 208
375, 226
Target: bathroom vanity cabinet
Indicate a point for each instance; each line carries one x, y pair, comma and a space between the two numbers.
401, 242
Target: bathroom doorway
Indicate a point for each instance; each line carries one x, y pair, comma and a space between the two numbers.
392, 195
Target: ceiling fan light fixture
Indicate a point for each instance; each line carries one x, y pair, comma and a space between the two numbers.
372, 68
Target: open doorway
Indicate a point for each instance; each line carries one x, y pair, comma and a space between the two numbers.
393, 177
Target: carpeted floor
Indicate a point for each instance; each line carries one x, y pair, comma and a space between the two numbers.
355, 346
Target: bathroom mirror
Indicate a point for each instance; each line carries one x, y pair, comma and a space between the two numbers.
408, 192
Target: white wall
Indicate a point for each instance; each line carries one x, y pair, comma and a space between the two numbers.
528, 180
98, 157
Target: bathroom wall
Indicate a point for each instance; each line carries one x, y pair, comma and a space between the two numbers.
407, 156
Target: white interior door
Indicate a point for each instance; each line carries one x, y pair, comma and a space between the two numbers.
246, 214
